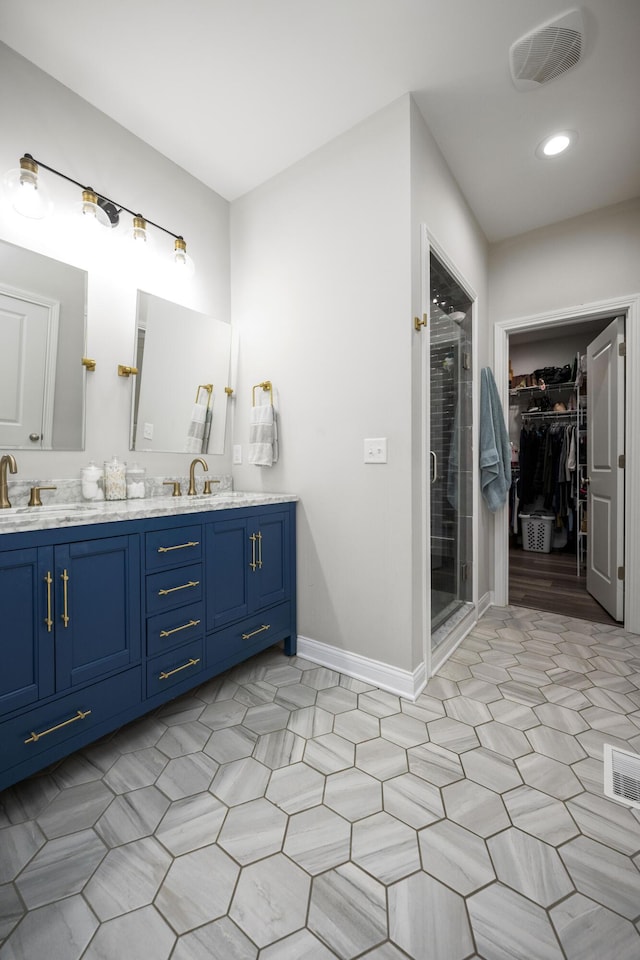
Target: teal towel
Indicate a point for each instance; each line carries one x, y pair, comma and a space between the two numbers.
495, 450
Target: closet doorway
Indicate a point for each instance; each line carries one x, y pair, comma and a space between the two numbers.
556, 580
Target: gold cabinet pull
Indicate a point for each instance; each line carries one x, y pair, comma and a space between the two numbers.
253, 563
265, 626
183, 586
165, 675
259, 539
179, 546
185, 626
64, 576
80, 715
48, 620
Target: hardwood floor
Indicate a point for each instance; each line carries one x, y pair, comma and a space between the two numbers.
548, 581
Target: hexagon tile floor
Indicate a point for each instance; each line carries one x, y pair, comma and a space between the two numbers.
285, 812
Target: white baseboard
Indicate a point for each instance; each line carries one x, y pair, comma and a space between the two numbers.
485, 601
401, 682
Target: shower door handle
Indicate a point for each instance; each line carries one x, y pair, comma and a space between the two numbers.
434, 466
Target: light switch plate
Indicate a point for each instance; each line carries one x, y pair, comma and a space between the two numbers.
148, 431
237, 453
375, 450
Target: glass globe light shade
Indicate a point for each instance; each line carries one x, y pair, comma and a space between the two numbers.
27, 195
183, 264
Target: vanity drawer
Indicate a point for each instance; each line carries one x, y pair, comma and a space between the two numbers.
173, 628
169, 548
174, 588
232, 644
175, 667
75, 715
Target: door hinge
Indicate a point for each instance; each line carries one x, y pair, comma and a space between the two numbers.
621, 461
620, 573
418, 323
622, 349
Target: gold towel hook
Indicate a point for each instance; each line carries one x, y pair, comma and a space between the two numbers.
265, 385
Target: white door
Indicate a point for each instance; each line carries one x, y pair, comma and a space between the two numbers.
605, 474
26, 370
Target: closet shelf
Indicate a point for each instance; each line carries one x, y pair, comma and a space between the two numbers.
549, 388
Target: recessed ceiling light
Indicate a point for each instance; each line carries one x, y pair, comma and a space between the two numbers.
556, 144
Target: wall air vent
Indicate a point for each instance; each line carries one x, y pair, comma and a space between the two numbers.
548, 51
622, 775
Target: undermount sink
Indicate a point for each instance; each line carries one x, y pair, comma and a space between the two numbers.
56, 509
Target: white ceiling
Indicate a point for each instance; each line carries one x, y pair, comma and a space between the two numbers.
235, 91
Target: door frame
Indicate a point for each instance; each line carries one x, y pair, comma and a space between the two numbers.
629, 306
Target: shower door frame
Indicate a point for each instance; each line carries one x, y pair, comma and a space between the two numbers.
433, 660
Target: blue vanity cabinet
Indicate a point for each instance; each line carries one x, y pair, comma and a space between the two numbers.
250, 587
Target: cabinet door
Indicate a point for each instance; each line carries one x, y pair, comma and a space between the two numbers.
269, 582
227, 565
97, 608
26, 669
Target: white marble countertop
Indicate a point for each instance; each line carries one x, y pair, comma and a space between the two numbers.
20, 519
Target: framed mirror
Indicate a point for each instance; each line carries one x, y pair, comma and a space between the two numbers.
43, 310
179, 404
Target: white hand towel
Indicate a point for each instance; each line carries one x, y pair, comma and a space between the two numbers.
196, 431
261, 435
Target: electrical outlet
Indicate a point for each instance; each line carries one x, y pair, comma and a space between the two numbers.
237, 453
148, 431
375, 450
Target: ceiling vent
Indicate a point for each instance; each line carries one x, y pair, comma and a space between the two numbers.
622, 775
547, 52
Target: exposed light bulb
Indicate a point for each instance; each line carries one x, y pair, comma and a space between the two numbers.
183, 263
28, 196
90, 209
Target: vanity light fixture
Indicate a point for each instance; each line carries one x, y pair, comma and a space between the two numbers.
556, 144
30, 197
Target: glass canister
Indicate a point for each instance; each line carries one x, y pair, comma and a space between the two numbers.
89, 479
135, 482
115, 485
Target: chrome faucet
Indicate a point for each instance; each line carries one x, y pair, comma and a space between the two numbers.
7, 461
192, 474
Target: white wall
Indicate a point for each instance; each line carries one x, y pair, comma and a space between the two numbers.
44, 118
321, 296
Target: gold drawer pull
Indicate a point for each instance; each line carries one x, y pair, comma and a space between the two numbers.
185, 626
79, 716
183, 586
64, 576
265, 626
49, 620
190, 663
179, 546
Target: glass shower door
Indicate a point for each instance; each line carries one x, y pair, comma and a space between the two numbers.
451, 418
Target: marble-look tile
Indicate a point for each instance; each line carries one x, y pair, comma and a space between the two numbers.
540, 815
526, 693
565, 696
593, 742
271, 899
337, 699
379, 703
11, 909
61, 868
529, 866
183, 738
560, 718
435, 764
142, 933
452, 734
441, 688
456, 857
253, 694
296, 695
611, 723
187, 776
348, 911
321, 678
503, 739
310, 722
353, 794
426, 919
218, 939
230, 743
191, 823
318, 840
295, 788
583, 926
556, 745
283, 675
58, 930
279, 749
590, 773
381, 759
454, 671
188, 898
253, 830
18, 845
183, 709
610, 700
412, 800
467, 711
128, 878
140, 768
608, 822
78, 769
604, 875
549, 776
297, 945
492, 672
480, 690
492, 770
139, 735
507, 926
474, 807
329, 753
385, 848
223, 713
513, 714
131, 816
75, 809
240, 780
357, 686
356, 726
407, 731
27, 799
266, 718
